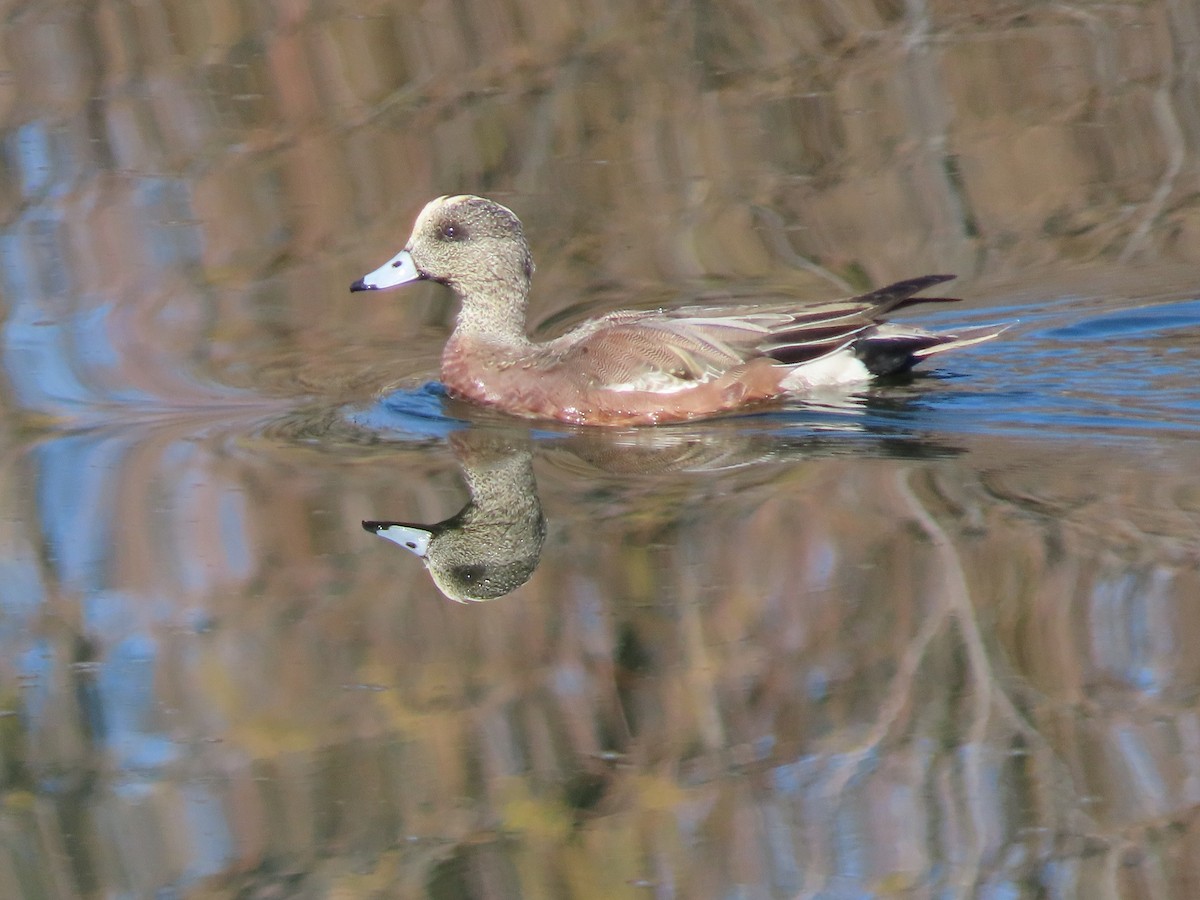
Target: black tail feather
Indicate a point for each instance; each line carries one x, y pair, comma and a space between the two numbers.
894, 354
853, 323
891, 296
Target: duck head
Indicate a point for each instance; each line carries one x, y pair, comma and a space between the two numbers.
471, 244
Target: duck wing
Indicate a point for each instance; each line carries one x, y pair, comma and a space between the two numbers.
656, 350
823, 328
661, 349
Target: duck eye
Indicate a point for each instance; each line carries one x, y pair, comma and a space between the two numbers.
454, 231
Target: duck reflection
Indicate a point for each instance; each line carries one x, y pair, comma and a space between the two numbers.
492, 545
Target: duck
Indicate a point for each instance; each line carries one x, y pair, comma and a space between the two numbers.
643, 367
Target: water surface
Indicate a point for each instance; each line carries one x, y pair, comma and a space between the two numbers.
930, 638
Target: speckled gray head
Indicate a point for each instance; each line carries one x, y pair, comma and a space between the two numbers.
457, 240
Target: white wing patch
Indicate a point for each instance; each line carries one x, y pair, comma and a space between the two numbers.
658, 382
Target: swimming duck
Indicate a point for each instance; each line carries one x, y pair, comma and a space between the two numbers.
641, 367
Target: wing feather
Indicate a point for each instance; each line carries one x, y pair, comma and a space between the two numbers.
675, 348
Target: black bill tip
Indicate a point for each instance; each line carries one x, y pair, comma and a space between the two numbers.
361, 285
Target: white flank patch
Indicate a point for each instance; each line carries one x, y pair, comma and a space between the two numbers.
840, 368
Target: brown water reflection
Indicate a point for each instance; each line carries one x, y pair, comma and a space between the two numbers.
934, 639
806, 674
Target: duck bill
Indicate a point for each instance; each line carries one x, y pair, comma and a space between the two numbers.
398, 270
410, 537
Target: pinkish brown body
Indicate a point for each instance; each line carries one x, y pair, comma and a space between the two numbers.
541, 385
640, 368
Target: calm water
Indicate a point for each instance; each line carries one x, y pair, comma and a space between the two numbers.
932, 639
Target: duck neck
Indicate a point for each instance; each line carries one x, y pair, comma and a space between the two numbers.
494, 313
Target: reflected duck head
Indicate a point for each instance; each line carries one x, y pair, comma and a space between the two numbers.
492, 545
470, 564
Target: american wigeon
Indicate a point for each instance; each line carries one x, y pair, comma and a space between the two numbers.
641, 367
